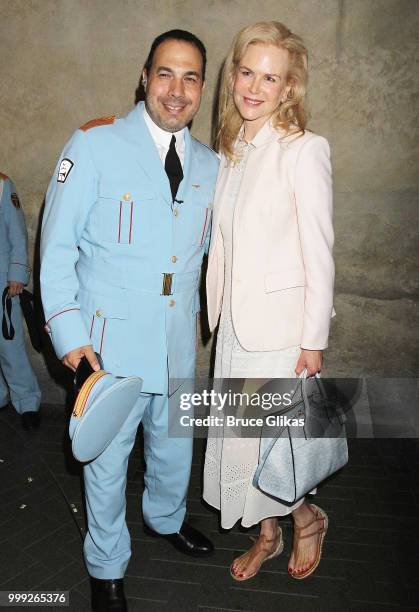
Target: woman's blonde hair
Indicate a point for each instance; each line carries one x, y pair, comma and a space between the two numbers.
290, 115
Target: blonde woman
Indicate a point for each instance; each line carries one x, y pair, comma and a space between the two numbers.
270, 270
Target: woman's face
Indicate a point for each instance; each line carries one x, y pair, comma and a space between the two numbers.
260, 84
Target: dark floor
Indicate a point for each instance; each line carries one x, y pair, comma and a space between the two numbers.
370, 554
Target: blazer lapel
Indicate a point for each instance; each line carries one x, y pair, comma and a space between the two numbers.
147, 154
220, 190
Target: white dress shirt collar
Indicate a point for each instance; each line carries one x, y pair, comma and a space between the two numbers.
162, 138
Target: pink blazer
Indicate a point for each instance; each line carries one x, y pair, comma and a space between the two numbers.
283, 270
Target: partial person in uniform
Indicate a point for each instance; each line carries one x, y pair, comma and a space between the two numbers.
270, 271
125, 228
17, 379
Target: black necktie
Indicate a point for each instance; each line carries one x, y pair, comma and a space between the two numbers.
173, 167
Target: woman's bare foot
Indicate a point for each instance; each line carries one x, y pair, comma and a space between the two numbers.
309, 529
268, 543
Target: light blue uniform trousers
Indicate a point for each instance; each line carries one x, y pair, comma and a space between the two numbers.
107, 546
17, 377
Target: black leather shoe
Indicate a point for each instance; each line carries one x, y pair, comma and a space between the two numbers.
30, 420
108, 595
4, 407
189, 541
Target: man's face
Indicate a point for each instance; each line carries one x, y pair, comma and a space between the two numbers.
174, 85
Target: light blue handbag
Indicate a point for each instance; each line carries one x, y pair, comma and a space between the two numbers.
294, 459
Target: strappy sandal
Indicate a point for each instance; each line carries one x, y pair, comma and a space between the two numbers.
261, 544
319, 515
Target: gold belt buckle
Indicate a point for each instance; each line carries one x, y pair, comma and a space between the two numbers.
167, 283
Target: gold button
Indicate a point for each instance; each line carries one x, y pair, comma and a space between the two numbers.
127, 196
172, 302
176, 212
174, 258
98, 313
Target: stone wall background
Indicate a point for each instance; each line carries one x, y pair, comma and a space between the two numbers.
67, 61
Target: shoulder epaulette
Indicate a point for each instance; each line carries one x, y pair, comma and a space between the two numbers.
97, 122
3, 177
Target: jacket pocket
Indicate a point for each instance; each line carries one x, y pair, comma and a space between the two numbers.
102, 306
123, 218
101, 314
285, 279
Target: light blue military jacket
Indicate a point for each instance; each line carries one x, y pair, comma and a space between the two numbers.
13, 236
110, 238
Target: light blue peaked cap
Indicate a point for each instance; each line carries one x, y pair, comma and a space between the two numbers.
108, 402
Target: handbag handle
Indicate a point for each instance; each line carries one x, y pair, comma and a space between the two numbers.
303, 377
338, 410
7, 327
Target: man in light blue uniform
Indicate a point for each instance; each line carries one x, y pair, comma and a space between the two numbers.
17, 378
125, 228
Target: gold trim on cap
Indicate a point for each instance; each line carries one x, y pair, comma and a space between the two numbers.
89, 383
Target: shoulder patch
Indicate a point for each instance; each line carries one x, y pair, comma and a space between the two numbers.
3, 177
97, 122
64, 170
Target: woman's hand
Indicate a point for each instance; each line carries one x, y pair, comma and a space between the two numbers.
312, 361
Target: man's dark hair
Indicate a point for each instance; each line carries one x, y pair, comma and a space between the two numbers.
177, 35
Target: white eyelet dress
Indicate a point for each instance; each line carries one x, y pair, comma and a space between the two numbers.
230, 463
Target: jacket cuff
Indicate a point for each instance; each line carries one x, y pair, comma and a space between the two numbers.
67, 331
315, 337
317, 345
18, 273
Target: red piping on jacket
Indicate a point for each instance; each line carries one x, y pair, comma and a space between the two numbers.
120, 218
91, 327
205, 226
101, 340
59, 313
130, 223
